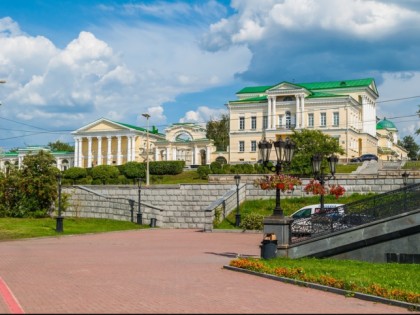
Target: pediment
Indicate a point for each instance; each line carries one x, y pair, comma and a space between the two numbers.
102, 125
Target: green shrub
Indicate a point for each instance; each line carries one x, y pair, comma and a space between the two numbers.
252, 221
104, 173
74, 173
166, 167
216, 168
203, 171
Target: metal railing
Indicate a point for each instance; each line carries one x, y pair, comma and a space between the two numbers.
360, 212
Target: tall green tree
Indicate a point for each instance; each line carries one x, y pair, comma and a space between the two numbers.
218, 130
411, 146
309, 142
60, 146
32, 190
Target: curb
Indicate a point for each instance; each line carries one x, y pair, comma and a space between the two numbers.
362, 296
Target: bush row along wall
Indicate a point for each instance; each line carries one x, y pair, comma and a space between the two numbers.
190, 206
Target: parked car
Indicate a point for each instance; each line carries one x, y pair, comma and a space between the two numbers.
364, 157
310, 217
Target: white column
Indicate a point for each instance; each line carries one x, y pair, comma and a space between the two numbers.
174, 154
168, 154
109, 152
156, 153
76, 151
298, 111
119, 150
208, 152
273, 103
99, 157
133, 148
302, 107
89, 152
194, 155
79, 158
269, 118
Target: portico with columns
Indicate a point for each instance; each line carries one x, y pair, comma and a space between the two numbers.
106, 142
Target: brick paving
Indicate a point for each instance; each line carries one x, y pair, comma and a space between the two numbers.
156, 271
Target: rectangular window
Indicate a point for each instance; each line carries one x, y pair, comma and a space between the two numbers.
253, 122
241, 123
310, 120
253, 146
323, 122
265, 122
336, 119
241, 146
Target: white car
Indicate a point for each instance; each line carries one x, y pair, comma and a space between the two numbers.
304, 225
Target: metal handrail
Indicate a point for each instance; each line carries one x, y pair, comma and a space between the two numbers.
356, 213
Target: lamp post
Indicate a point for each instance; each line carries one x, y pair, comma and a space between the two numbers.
405, 177
139, 215
284, 153
238, 215
59, 219
147, 148
318, 171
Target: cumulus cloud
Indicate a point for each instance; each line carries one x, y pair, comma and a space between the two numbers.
202, 115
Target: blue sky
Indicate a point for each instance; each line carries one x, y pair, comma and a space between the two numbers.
68, 63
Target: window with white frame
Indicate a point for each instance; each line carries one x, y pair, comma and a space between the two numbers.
253, 146
323, 121
310, 120
336, 119
265, 122
241, 123
241, 146
288, 119
253, 122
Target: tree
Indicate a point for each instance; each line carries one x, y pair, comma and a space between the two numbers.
411, 146
218, 130
60, 146
310, 142
32, 190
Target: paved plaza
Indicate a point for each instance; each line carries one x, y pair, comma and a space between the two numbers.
153, 271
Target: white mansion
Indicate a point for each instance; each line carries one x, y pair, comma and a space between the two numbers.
345, 110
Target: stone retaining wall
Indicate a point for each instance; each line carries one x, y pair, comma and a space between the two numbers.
193, 206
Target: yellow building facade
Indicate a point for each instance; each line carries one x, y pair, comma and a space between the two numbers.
106, 142
345, 110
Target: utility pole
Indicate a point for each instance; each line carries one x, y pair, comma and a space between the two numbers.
147, 148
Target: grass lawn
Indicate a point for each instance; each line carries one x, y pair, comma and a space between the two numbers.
14, 228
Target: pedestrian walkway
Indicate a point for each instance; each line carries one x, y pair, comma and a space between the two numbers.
155, 271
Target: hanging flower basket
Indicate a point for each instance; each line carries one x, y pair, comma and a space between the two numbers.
337, 190
314, 187
283, 182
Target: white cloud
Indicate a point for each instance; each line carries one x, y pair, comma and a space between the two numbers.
202, 114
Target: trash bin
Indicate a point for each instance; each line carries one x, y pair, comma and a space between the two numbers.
269, 246
153, 222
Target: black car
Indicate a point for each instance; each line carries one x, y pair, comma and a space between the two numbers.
365, 157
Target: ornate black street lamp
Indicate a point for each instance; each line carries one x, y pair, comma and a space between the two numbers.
238, 215
59, 219
139, 215
405, 177
284, 153
318, 171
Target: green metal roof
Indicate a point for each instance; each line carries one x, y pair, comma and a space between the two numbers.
336, 84
313, 85
385, 124
252, 99
153, 131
